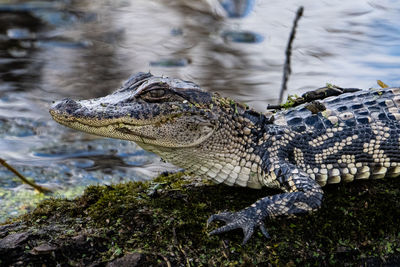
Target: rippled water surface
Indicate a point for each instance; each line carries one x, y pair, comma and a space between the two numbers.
53, 49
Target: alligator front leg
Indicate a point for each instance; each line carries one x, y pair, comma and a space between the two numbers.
302, 195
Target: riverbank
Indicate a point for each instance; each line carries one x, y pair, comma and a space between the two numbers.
163, 222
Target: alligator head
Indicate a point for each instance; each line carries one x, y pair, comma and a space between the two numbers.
173, 118
146, 109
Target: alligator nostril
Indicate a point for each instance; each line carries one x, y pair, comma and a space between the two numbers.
66, 105
70, 103
71, 106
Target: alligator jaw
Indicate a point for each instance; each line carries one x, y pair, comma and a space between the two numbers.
91, 116
108, 128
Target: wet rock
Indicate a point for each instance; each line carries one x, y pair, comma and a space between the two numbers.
12, 241
79, 239
5, 229
127, 260
43, 249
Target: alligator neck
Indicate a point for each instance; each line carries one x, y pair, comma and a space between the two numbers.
232, 155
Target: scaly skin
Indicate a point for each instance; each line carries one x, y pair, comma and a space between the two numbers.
354, 135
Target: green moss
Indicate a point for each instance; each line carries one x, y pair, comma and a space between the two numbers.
291, 101
329, 85
229, 103
166, 219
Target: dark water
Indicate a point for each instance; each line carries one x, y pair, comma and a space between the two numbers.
53, 49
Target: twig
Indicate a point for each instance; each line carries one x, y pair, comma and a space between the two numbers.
224, 250
286, 68
165, 259
39, 188
174, 239
184, 254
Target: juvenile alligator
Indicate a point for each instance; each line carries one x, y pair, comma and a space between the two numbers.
355, 136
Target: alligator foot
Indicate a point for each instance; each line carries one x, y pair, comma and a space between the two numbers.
247, 219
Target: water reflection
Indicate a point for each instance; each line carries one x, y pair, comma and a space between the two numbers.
242, 37
237, 8
170, 62
53, 49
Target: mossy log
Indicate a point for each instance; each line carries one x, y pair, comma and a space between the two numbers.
163, 222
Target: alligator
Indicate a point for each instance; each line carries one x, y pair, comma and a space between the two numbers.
354, 134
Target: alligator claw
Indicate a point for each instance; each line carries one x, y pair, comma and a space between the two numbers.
235, 220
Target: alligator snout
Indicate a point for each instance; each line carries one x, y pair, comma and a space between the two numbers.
66, 105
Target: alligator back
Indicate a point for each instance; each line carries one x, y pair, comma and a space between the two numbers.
357, 136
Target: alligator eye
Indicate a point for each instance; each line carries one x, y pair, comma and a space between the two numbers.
160, 95
157, 93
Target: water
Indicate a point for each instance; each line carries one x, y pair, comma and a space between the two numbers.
53, 49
